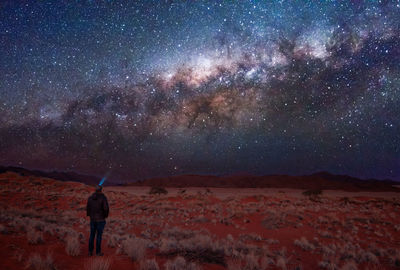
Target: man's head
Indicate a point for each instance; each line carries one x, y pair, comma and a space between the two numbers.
99, 188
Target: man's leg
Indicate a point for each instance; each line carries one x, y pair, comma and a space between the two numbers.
91, 238
100, 228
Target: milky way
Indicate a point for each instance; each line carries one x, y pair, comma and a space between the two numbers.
158, 88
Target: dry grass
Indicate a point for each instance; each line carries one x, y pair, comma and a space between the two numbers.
251, 262
350, 265
158, 190
18, 255
113, 241
180, 264
194, 246
135, 248
233, 265
304, 244
72, 246
148, 265
34, 237
281, 263
98, 263
36, 262
3, 229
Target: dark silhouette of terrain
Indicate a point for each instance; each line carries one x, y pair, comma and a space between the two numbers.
320, 180
63, 176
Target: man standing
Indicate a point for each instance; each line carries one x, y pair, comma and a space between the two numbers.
97, 209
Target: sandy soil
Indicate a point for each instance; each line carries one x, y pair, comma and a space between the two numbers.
199, 228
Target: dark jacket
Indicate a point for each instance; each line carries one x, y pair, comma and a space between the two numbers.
97, 207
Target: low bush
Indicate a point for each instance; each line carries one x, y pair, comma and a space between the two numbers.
312, 192
3, 229
113, 241
281, 263
98, 263
158, 190
34, 237
148, 265
304, 244
72, 246
350, 265
251, 262
36, 262
234, 265
180, 264
135, 248
199, 247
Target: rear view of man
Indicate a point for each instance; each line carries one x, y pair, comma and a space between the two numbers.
97, 209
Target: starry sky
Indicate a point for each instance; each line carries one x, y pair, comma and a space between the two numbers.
142, 89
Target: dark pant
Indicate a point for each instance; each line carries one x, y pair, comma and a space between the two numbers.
96, 227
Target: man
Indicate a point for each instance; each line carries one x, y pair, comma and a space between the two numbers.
97, 209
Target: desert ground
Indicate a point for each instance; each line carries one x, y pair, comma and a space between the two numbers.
43, 225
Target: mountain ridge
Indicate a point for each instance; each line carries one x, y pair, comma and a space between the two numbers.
318, 180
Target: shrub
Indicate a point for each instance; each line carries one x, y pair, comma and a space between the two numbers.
3, 229
98, 263
369, 257
36, 262
312, 192
177, 233
148, 265
113, 241
266, 262
72, 246
198, 242
180, 264
168, 245
81, 238
304, 244
38, 225
198, 247
19, 224
251, 262
135, 248
158, 190
327, 265
18, 255
281, 263
49, 229
34, 237
345, 200
351, 265
230, 238
233, 265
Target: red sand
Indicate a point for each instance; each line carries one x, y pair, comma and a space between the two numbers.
255, 218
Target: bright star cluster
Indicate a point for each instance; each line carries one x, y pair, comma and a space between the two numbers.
158, 88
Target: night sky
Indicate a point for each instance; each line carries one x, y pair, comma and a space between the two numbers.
159, 88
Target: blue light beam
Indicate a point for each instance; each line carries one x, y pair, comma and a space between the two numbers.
104, 178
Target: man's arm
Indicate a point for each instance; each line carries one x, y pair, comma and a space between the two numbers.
105, 207
88, 208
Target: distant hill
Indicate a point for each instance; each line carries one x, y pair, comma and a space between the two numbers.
320, 180
63, 176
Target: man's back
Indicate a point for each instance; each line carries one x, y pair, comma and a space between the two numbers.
97, 207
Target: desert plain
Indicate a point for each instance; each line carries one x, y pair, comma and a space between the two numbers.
43, 225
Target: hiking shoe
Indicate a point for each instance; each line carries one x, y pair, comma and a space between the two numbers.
100, 254
90, 254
